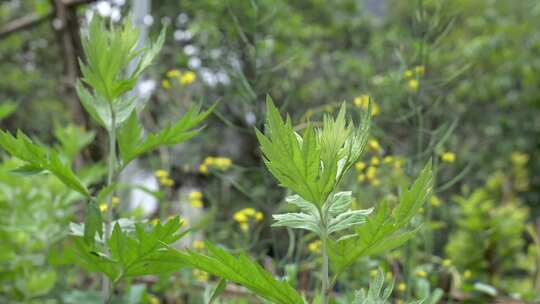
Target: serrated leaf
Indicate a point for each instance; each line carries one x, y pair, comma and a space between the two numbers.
381, 231
242, 270
93, 223
132, 145
297, 221
39, 157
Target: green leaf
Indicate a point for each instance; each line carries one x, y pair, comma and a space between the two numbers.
381, 231
93, 223
132, 145
7, 108
313, 163
244, 271
41, 158
220, 287
144, 251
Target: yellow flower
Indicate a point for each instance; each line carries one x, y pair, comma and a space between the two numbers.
519, 158
223, 163
103, 207
447, 262
421, 274
361, 177
195, 195
173, 73
166, 84
328, 108
420, 70
167, 182
196, 203
375, 161
249, 211
435, 201
398, 163
408, 74
115, 200
467, 274
360, 166
184, 222
161, 173
154, 222
402, 287
373, 273
413, 85
374, 145
240, 217
188, 78
199, 245
361, 101
375, 182
388, 159
153, 299
371, 172
203, 169
244, 227
259, 216
209, 160
315, 246
399, 301
448, 157
200, 275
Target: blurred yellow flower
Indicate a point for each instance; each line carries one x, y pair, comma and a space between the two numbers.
360, 166
200, 275
408, 74
435, 201
259, 216
203, 169
195, 195
173, 73
421, 274
373, 273
447, 263
388, 159
402, 287
375, 182
467, 274
244, 227
188, 78
371, 172
196, 203
103, 207
315, 246
166, 84
420, 70
154, 222
199, 245
519, 158
167, 182
115, 200
153, 299
161, 173
448, 157
240, 217
374, 145
363, 102
375, 161
413, 85
361, 177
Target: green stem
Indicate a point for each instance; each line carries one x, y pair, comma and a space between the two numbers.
324, 273
107, 289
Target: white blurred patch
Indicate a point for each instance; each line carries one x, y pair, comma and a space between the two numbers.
148, 20
103, 8
146, 88
194, 63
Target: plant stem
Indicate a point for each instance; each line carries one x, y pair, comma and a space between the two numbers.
324, 272
106, 290
324, 239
